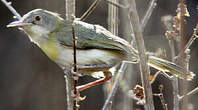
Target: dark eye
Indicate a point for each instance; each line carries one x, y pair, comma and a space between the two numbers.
37, 18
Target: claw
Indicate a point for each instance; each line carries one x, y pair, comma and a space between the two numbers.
75, 73
77, 96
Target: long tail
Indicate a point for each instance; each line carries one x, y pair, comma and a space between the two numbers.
166, 66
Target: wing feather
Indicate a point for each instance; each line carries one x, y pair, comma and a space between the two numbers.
91, 36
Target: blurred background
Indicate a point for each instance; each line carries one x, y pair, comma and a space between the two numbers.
30, 80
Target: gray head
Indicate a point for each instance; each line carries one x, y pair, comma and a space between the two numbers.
38, 20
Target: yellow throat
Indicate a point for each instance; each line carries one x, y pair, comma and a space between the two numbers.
51, 48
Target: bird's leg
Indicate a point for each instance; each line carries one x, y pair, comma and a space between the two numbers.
95, 68
107, 77
77, 96
88, 69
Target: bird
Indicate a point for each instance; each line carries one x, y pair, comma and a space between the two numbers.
97, 49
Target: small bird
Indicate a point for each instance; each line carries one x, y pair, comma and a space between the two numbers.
97, 48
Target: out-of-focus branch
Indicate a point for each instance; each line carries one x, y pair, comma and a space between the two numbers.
151, 7
145, 72
113, 18
8, 5
183, 55
119, 76
191, 40
95, 4
167, 20
91, 8
113, 27
175, 93
161, 96
194, 91
116, 4
193, 37
70, 9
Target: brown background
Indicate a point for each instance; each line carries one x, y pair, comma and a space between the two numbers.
30, 81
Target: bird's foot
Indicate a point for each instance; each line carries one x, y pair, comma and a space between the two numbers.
76, 96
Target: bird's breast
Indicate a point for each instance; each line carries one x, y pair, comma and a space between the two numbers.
51, 49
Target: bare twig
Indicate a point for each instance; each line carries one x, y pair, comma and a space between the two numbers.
95, 4
193, 37
191, 40
194, 91
152, 5
183, 56
68, 81
70, 9
113, 27
8, 5
161, 96
174, 78
75, 82
113, 18
167, 20
152, 78
91, 8
116, 4
119, 76
145, 72
175, 93
70, 12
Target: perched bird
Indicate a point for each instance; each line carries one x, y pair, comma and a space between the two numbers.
97, 48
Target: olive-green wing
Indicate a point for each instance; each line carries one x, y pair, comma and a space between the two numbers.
91, 36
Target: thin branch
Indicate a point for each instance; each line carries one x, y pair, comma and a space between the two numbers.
113, 27
9, 6
74, 47
95, 4
91, 8
161, 96
191, 40
119, 76
183, 56
113, 18
116, 4
175, 93
70, 9
75, 83
194, 91
145, 72
68, 81
167, 21
175, 84
152, 5
70, 12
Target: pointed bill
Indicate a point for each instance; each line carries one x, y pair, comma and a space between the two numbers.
19, 23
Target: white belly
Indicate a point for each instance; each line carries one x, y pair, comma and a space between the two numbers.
87, 57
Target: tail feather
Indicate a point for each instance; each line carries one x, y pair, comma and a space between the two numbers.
166, 66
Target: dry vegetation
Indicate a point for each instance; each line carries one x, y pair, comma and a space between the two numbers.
141, 94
